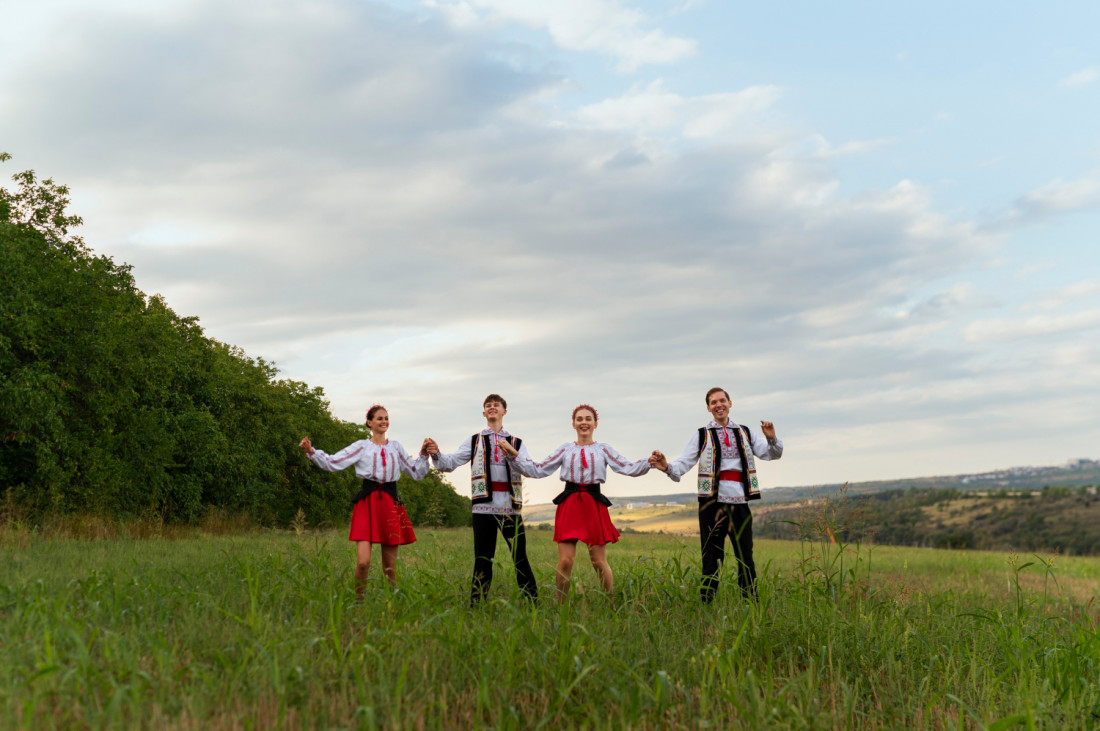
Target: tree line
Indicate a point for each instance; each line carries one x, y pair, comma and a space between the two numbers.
1054, 518
112, 404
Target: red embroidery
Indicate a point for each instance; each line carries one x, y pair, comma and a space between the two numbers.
349, 455
584, 462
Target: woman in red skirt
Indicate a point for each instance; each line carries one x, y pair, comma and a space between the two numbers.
582, 509
378, 515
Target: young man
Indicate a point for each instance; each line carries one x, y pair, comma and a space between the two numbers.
497, 493
727, 481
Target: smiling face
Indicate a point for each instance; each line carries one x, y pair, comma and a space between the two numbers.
584, 422
718, 404
494, 411
379, 423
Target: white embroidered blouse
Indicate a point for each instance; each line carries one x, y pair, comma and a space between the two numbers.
582, 464
379, 462
728, 492
500, 502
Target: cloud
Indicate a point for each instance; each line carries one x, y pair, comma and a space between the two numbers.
1080, 79
652, 109
1069, 294
603, 26
1055, 198
386, 205
1038, 325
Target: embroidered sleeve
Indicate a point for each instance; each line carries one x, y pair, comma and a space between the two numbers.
346, 457
764, 449
619, 464
415, 469
686, 460
546, 467
454, 460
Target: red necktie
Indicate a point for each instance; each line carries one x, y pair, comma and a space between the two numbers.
725, 436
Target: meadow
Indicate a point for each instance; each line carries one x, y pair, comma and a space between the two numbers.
261, 630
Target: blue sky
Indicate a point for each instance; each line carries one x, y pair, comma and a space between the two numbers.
874, 224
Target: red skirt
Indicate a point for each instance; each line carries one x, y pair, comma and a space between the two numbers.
581, 517
378, 519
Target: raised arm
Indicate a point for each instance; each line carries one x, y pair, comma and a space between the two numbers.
346, 457
765, 444
454, 460
619, 464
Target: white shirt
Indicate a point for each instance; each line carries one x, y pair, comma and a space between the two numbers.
728, 491
583, 465
379, 462
500, 502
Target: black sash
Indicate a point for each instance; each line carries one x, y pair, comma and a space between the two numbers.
593, 490
369, 486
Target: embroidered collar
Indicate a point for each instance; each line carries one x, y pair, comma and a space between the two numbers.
715, 425
502, 433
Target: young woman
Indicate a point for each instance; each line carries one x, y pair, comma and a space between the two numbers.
582, 508
378, 515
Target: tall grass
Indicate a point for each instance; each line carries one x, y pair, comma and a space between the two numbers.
262, 631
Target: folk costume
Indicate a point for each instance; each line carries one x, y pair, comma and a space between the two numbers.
726, 482
378, 515
496, 491
582, 507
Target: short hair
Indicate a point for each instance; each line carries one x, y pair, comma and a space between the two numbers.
713, 391
586, 407
495, 397
374, 410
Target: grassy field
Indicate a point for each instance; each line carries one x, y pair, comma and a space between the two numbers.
261, 631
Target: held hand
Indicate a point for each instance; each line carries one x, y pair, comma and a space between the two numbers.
508, 448
768, 428
425, 446
433, 448
305, 446
658, 460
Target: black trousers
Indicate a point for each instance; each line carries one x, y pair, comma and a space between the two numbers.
486, 526
716, 521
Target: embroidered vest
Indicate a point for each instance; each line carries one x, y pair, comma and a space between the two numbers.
710, 462
480, 491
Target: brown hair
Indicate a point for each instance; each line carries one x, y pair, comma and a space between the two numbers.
374, 410
495, 397
583, 407
713, 391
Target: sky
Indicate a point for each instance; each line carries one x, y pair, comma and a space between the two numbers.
874, 224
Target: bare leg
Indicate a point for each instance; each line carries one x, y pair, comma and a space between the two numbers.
362, 567
567, 552
598, 556
389, 563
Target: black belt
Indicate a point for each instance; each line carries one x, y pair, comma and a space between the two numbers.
593, 490
369, 486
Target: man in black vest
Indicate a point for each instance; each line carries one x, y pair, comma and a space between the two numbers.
727, 481
497, 497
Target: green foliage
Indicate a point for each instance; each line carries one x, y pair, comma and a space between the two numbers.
433, 501
111, 404
1058, 518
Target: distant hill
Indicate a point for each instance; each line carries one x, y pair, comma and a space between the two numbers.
1052, 518
1019, 509
1074, 473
